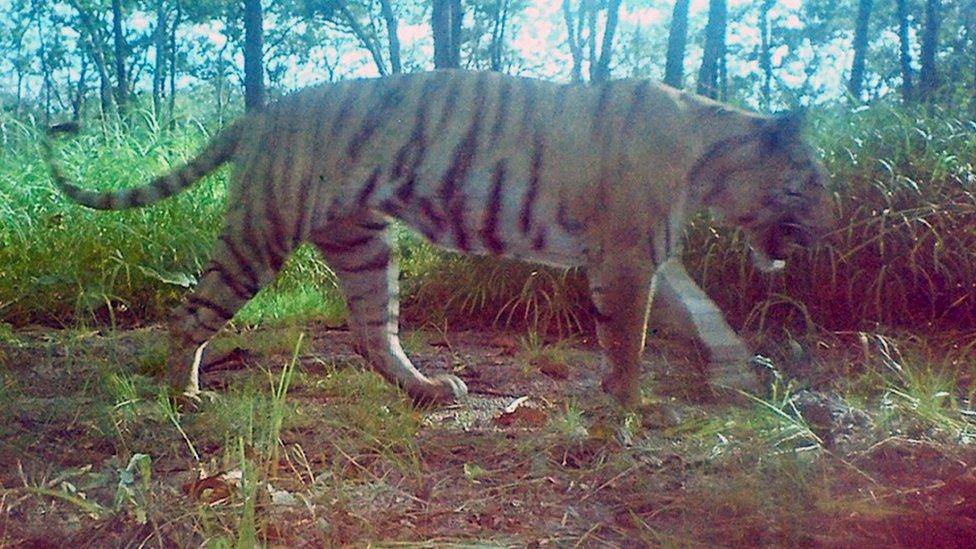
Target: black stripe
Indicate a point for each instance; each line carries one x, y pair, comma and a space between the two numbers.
535, 175
250, 239
503, 109
391, 207
715, 153
138, 197
378, 263
430, 211
561, 92
450, 102
345, 247
456, 214
417, 145
416, 142
240, 290
373, 225
564, 222
653, 245
667, 238
274, 243
304, 146
429, 233
451, 195
598, 315
276, 150
169, 184
528, 113
377, 323
284, 150
376, 117
638, 95
368, 188
404, 193
242, 261
345, 109
195, 302
106, 201
599, 114
489, 223
540, 240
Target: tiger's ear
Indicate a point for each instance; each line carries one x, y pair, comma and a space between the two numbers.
783, 128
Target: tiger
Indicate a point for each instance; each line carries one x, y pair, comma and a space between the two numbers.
600, 177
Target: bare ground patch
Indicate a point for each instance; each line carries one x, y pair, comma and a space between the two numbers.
91, 454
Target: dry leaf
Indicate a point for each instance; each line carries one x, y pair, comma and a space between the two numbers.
523, 416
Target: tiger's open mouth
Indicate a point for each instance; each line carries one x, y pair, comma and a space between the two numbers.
773, 245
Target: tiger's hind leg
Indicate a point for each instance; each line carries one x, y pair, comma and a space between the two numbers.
239, 266
358, 249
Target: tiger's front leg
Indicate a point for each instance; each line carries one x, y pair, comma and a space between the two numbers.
359, 251
621, 292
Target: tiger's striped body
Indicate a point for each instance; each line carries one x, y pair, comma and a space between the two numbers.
599, 177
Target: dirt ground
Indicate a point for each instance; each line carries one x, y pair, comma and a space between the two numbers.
537, 457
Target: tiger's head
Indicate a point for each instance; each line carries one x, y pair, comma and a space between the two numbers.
768, 182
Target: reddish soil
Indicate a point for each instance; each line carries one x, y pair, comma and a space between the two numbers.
478, 473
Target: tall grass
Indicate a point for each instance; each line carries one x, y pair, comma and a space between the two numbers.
904, 181
62, 263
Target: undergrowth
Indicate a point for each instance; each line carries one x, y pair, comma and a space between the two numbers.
905, 191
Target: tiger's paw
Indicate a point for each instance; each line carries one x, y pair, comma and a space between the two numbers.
443, 389
194, 401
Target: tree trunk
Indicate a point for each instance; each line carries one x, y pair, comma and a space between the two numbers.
159, 74
575, 40
929, 76
118, 37
674, 71
390, 19
498, 34
445, 23
253, 56
457, 15
714, 49
971, 31
588, 8
172, 64
94, 46
601, 71
365, 38
45, 69
904, 51
860, 45
765, 54
78, 101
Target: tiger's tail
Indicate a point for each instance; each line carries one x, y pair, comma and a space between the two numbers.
220, 149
